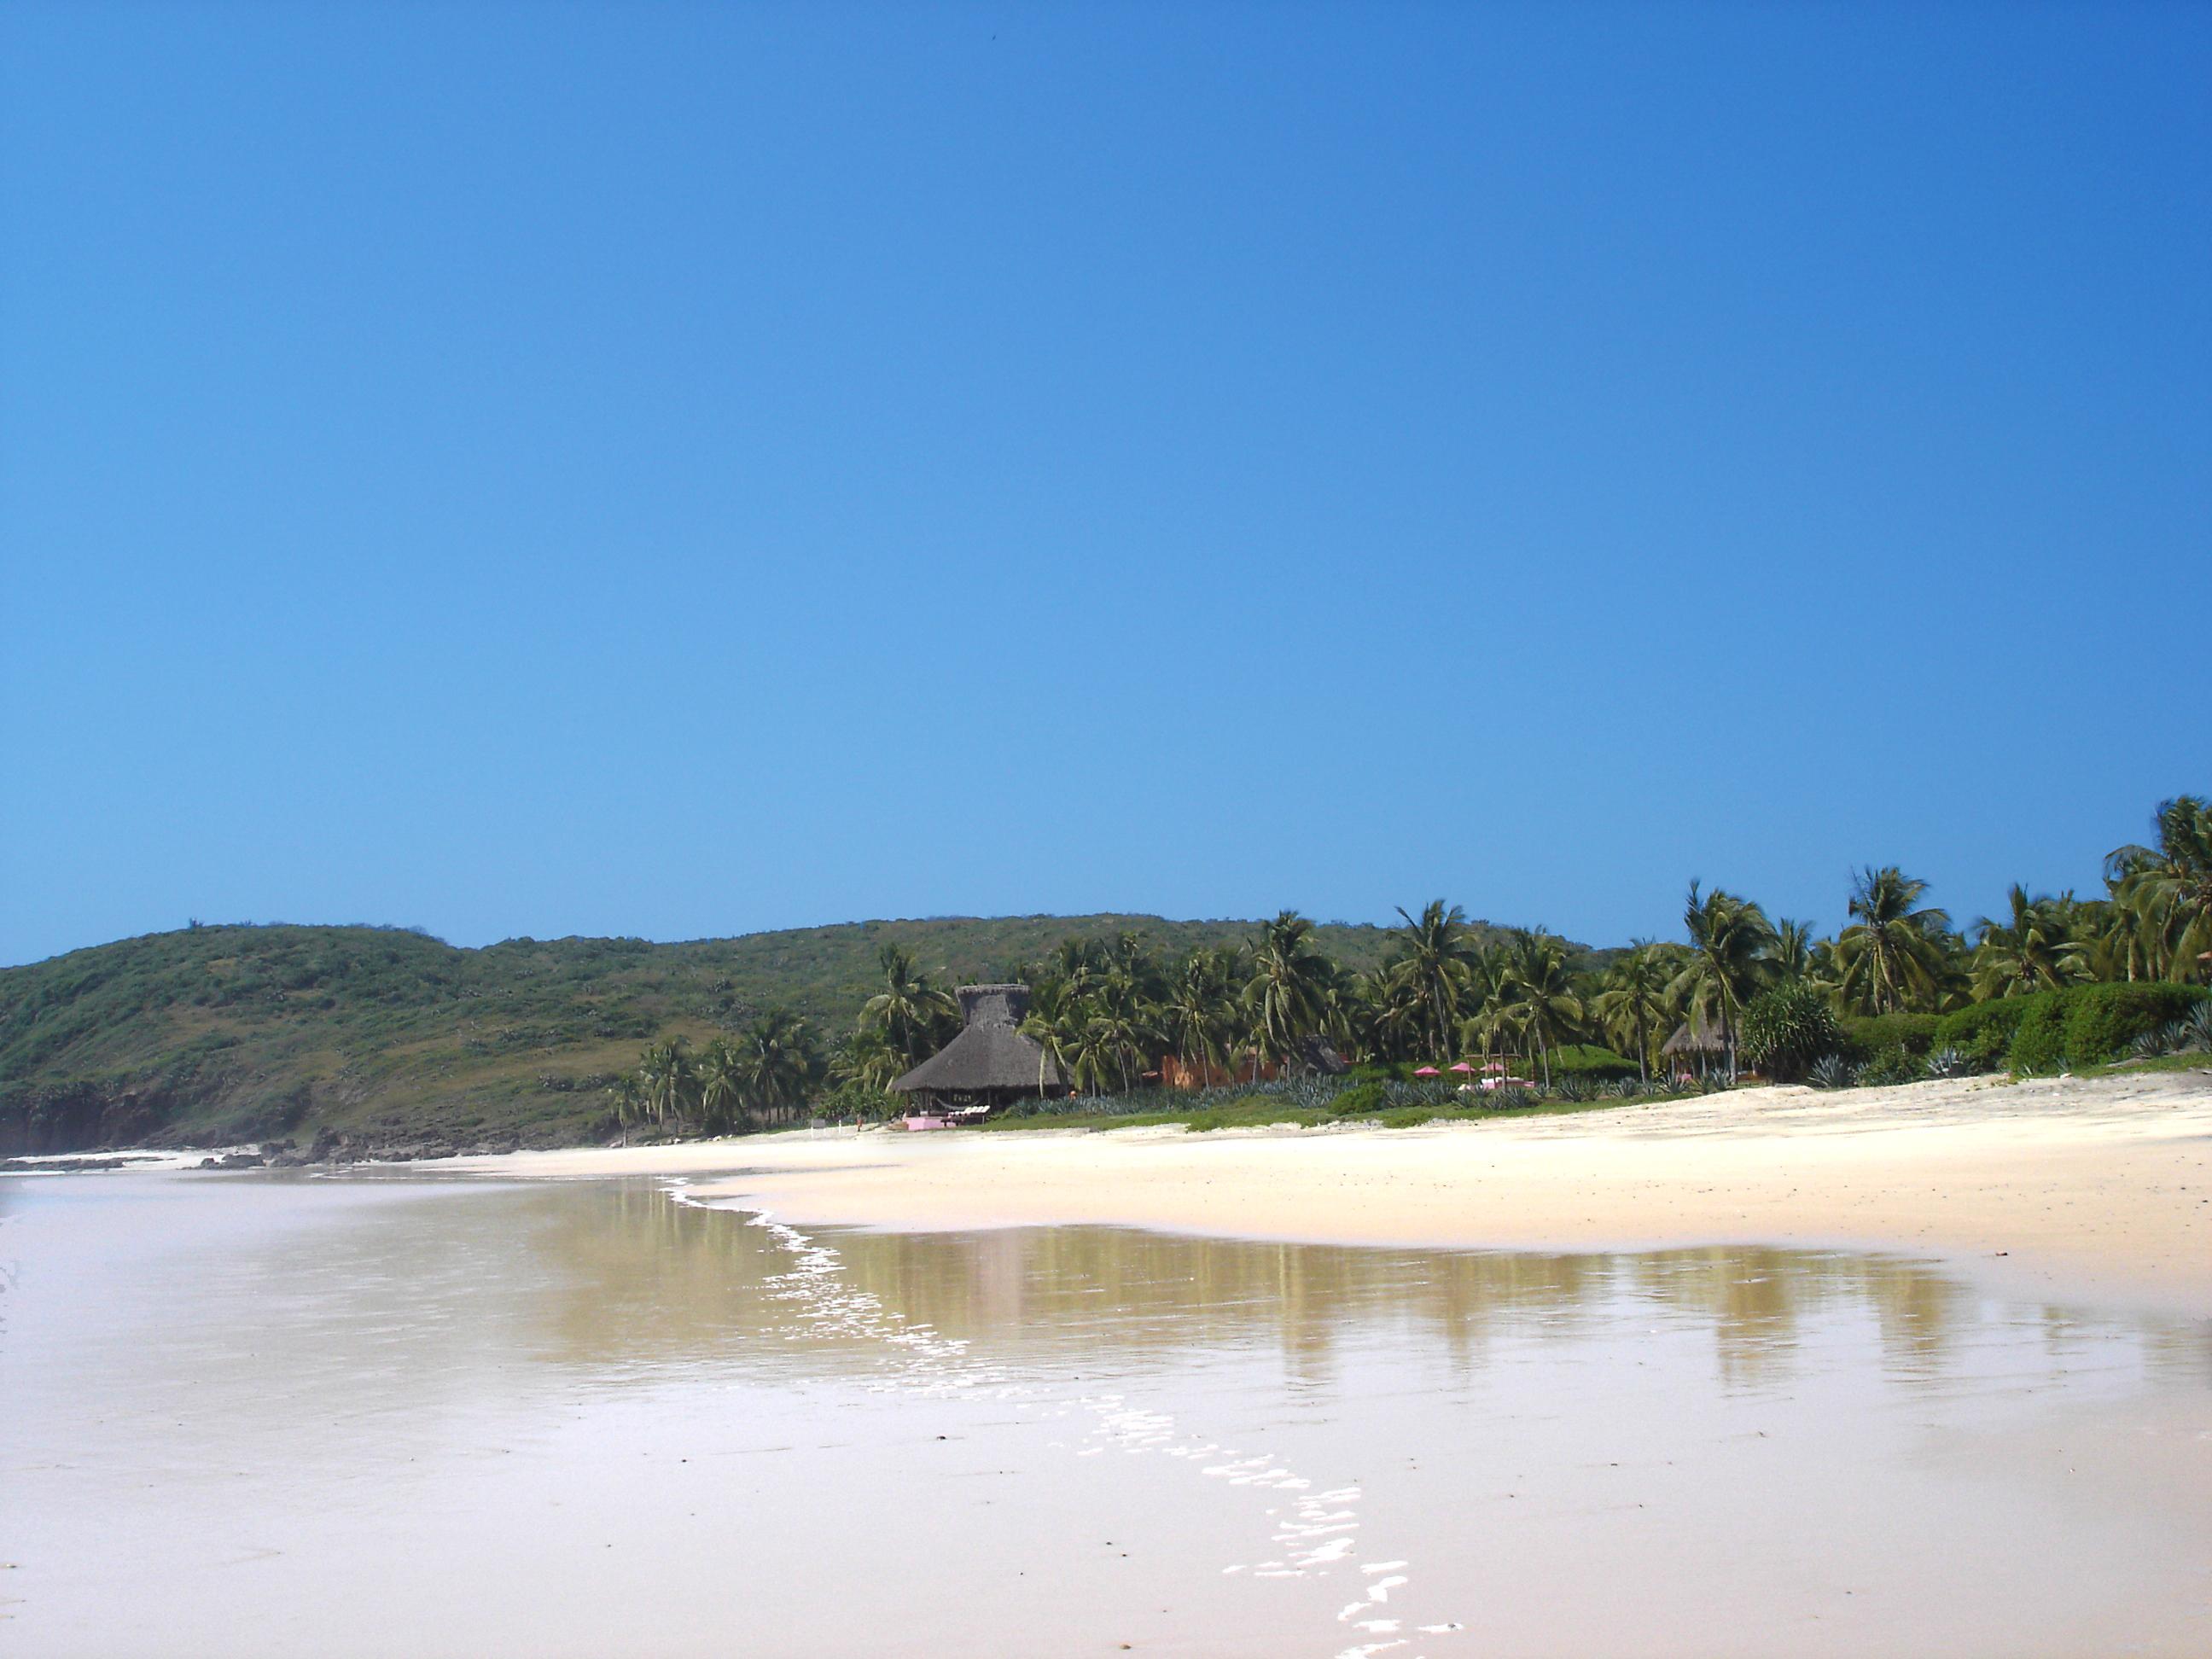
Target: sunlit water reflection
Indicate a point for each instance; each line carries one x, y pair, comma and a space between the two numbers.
263, 1415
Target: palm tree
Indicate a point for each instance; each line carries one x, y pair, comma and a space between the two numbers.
1197, 1018
1894, 956
870, 1060
1386, 1011
1055, 1019
776, 1061
1285, 994
1729, 936
1433, 962
721, 1088
2032, 949
626, 1095
665, 1072
2118, 942
913, 1014
1634, 1001
2169, 886
1536, 996
1791, 953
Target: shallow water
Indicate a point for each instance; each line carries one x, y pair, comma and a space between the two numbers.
265, 1415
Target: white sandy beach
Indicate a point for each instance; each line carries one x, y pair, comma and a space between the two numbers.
2058, 1186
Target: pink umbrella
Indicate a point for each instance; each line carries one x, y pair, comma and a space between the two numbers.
1426, 1071
1462, 1065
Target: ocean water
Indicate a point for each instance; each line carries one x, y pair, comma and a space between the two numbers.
262, 1414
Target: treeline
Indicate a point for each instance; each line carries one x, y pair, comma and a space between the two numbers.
1874, 1001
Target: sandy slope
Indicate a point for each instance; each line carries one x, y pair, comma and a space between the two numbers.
2064, 1187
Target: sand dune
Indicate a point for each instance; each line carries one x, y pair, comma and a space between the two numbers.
2058, 1186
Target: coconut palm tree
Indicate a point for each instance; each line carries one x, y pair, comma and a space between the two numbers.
870, 1060
1537, 996
721, 1090
1791, 953
916, 1016
1432, 962
1285, 994
1892, 956
626, 1095
2117, 940
665, 1072
776, 1062
1056, 1020
1729, 936
1198, 1018
2169, 886
2031, 950
1634, 1002
1387, 1012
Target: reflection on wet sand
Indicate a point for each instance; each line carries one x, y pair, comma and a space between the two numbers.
645, 1279
371, 1415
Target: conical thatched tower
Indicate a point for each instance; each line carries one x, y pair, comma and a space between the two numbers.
989, 1064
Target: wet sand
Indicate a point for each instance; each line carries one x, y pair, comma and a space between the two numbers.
265, 1413
2098, 1189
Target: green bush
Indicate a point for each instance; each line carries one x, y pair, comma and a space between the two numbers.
1787, 1029
1914, 1033
1982, 1033
1360, 1100
2103, 1021
2038, 1041
1587, 1059
2047, 1031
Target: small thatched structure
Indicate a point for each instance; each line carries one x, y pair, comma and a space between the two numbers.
1698, 1037
1698, 1040
989, 1064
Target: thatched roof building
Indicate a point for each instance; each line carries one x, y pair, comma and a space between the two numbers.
1698, 1036
990, 1062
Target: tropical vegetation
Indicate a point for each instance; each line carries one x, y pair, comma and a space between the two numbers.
283, 1027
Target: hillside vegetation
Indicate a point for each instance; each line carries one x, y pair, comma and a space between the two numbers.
219, 1033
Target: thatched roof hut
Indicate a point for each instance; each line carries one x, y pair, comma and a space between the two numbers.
1697, 1038
990, 1062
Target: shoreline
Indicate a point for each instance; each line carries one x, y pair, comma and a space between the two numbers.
2066, 1189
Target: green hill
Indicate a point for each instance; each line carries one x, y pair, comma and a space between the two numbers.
245, 1032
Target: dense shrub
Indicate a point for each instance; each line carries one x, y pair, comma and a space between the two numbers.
1587, 1059
1982, 1033
1787, 1028
1382, 1071
1360, 1100
1914, 1033
2103, 1021
2038, 1041
2047, 1031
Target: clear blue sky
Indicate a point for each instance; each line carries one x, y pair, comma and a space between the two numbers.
686, 470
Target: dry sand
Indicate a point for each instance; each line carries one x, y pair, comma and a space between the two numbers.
2060, 1187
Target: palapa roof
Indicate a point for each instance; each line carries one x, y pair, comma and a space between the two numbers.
989, 1053
1698, 1036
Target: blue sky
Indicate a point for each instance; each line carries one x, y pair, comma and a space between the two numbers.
679, 471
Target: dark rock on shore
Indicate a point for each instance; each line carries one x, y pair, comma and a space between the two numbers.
235, 1161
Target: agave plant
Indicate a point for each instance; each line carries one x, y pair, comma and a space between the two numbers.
1628, 1088
1948, 1062
1574, 1090
2196, 1030
1833, 1071
2149, 1045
